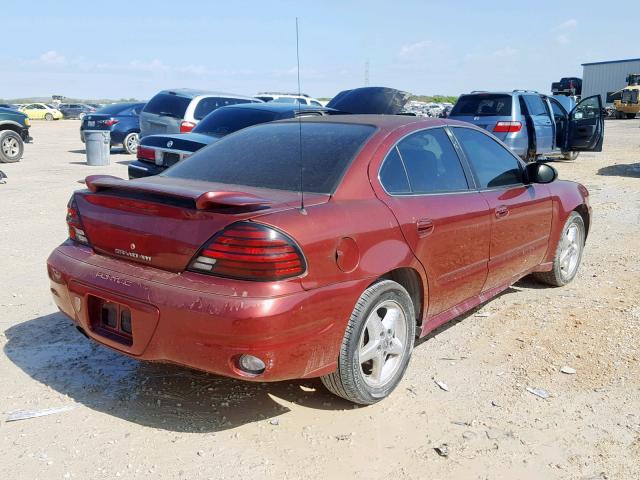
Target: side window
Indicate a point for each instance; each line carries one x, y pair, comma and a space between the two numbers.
588, 108
393, 175
493, 164
209, 104
431, 162
535, 105
316, 104
558, 111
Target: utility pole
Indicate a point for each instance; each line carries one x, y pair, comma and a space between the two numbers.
366, 73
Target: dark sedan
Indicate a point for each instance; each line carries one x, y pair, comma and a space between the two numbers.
156, 153
75, 110
121, 119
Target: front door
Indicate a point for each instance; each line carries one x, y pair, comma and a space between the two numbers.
520, 214
446, 224
586, 126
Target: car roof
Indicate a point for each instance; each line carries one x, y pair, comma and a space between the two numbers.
274, 107
193, 93
387, 122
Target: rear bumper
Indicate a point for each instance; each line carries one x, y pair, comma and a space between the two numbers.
138, 169
297, 335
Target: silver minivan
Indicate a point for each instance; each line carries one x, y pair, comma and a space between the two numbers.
180, 109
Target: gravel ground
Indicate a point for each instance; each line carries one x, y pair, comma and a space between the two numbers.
139, 420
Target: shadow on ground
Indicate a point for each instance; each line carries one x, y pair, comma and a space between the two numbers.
169, 397
621, 170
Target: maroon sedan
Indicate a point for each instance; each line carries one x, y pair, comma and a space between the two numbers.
218, 264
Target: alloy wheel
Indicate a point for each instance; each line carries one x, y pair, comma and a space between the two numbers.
382, 343
10, 147
571, 249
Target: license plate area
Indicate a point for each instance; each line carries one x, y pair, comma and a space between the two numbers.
111, 320
91, 123
171, 159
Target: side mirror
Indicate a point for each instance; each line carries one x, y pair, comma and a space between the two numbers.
540, 173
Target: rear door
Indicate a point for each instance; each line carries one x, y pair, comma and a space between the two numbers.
520, 214
542, 124
485, 110
163, 114
586, 126
445, 222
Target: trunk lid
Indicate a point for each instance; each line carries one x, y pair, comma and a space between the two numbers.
162, 222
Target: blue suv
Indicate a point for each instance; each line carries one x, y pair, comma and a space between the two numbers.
534, 125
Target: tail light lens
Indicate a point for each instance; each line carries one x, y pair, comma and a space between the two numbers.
111, 122
74, 222
186, 127
507, 127
250, 251
145, 153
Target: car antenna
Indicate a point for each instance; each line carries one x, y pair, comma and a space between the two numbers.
303, 211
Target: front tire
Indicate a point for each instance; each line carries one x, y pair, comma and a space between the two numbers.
48, 117
377, 345
568, 253
570, 156
130, 143
630, 116
11, 146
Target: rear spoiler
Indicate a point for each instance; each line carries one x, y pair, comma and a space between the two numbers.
203, 199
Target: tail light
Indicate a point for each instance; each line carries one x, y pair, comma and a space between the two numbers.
186, 127
507, 127
74, 222
250, 251
111, 122
146, 154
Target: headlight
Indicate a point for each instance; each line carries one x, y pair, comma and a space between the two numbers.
27, 123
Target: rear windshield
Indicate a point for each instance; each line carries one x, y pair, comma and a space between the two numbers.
209, 104
484, 105
268, 156
114, 109
228, 120
168, 105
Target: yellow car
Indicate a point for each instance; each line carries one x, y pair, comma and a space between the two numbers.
39, 111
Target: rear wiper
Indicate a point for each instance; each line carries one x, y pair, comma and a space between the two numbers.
169, 114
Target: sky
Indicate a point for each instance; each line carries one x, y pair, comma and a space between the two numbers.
132, 49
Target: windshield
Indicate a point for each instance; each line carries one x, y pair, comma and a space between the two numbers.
268, 156
482, 105
168, 105
228, 120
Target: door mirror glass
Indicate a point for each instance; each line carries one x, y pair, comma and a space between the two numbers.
540, 173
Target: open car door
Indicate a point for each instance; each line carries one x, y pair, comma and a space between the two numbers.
586, 126
369, 100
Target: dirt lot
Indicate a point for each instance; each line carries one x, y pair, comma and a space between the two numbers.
138, 420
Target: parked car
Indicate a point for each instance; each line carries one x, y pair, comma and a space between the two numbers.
571, 86
180, 110
278, 97
156, 153
121, 119
11, 106
221, 263
14, 133
532, 124
41, 111
75, 110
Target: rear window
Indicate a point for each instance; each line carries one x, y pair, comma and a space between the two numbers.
168, 105
114, 109
228, 120
268, 156
485, 105
209, 104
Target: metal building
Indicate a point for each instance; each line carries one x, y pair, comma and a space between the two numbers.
605, 78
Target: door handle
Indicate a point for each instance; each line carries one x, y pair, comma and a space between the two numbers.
502, 211
424, 227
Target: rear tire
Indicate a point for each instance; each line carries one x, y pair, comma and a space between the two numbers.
130, 143
630, 116
48, 117
566, 261
11, 146
377, 345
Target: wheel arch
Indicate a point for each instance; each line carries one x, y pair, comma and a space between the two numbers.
586, 218
412, 282
11, 126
